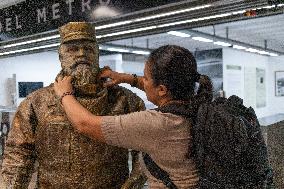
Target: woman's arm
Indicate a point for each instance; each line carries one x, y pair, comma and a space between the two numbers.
117, 78
136, 130
84, 121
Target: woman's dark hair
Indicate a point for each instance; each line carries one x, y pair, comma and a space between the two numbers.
176, 68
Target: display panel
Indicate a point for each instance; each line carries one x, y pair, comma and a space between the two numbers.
26, 88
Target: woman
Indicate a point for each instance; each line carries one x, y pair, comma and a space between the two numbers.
169, 79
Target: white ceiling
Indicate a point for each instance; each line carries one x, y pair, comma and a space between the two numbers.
253, 31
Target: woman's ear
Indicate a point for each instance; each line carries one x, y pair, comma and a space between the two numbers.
163, 91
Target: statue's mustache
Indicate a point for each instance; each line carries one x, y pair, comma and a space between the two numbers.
73, 72
79, 63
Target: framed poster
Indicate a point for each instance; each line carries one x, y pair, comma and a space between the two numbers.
260, 88
279, 83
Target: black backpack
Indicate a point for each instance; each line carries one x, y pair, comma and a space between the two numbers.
228, 146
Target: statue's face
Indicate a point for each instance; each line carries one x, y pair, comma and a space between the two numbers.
79, 59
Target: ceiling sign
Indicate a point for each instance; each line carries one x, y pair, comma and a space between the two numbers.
31, 17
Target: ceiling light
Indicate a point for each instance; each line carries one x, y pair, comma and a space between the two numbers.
202, 39
268, 7
239, 12
118, 50
128, 31
141, 52
218, 16
30, 49
31, 41
124, 49
171, 13
263, 52
239, 47
252, 50
179, 34
273, 54
172, 24
201, 19
222, 44
113, 25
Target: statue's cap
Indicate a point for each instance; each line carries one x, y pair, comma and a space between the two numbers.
77, 31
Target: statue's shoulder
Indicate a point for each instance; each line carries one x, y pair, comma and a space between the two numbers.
44, 91
122, 91
42, 94
135, 103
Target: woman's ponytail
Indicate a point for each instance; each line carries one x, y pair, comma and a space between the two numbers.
205, 90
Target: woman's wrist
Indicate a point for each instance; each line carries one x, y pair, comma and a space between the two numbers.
131, 79
126, 78
68, 93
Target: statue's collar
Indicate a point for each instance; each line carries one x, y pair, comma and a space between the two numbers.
89, 90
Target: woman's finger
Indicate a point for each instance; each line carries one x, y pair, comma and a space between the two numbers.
105, 73
105, 70
59, 78
109, 83
68, 78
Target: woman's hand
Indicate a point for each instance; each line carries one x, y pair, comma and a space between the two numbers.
115, 77
63, 85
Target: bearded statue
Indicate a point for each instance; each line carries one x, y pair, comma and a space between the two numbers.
41, 133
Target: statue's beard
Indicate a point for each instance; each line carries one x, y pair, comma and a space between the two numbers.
84, 79
82, 74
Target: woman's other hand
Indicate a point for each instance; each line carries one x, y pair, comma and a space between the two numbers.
63, 85
113, 78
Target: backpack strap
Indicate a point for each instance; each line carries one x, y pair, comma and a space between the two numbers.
158, 172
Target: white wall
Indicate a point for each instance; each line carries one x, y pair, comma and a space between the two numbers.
249, 62
276, 103
41, 67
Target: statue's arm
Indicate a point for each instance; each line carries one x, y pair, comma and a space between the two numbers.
19, 157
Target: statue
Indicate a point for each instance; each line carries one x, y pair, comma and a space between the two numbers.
41, 132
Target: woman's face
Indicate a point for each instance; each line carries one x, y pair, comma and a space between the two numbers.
150, 89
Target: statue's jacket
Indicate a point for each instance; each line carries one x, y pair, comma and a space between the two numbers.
66, 159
